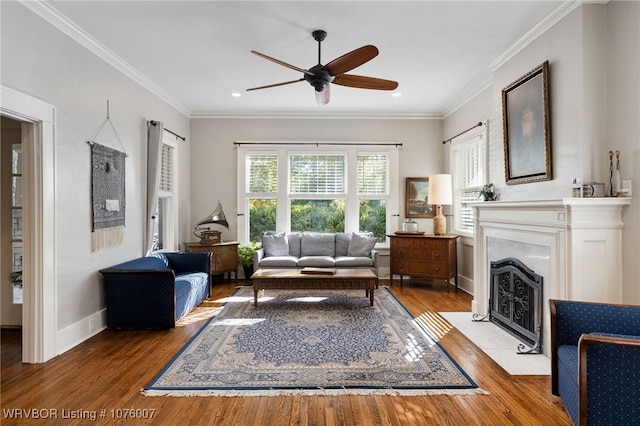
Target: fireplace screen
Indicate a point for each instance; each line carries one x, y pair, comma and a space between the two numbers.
515, 302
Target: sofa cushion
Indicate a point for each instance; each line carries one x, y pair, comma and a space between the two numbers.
342, 243
361, 245
275, 244
353, 262
279, 262
294, 243
318, 244
316, 261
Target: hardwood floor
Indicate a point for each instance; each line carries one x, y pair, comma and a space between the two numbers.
105, 374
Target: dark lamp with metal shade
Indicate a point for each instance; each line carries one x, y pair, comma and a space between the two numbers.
206, 235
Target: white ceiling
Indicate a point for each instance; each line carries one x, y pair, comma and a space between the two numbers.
198, 52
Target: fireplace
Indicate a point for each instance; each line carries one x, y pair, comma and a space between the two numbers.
575, 244
515, 302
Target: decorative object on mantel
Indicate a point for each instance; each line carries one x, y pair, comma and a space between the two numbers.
206, 235
616, 177
527, 128
107, 190
488, 193
440, 193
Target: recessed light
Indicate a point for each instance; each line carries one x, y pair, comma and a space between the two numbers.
396, 94
236, 94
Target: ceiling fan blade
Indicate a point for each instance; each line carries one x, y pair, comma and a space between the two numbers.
351, 60
323, 97
275, 85
361, 82
284, 64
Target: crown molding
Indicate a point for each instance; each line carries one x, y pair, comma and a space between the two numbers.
467, 94
538, 29
312, 116
62, 23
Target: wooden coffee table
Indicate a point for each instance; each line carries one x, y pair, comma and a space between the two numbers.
294, 279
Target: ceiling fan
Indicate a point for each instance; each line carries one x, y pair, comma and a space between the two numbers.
319, 76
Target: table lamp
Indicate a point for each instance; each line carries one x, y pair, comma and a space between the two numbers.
206, 235
440, 194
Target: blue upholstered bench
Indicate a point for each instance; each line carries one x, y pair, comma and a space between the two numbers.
155, 291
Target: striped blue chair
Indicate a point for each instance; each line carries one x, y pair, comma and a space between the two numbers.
595, 361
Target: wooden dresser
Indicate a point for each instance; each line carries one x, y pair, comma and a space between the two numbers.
224, 256
429, 256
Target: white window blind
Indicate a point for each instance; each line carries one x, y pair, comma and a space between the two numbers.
317, 174
262, 173
166, 169
469, 175
373, 178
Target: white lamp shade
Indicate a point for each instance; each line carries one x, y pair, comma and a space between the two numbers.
440, 190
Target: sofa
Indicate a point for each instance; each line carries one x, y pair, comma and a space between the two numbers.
595, 361
155, 291
293, 250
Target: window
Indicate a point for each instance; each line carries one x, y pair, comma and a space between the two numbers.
165, 230
288, 190
16, 220
468, 167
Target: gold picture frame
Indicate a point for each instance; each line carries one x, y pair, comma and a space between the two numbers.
416, 202
527, 128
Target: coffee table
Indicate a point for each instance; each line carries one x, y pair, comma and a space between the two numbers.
294, 279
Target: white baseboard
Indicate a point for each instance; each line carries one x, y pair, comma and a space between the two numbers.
82, 330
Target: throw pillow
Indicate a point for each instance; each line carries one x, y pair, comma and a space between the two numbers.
318, 244
275, 244
361, 245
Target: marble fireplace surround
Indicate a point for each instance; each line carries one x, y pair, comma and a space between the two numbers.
574, 243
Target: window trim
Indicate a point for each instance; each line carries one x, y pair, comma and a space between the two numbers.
282, 197
460, 141
171, 222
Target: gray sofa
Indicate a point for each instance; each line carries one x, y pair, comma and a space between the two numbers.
316, 249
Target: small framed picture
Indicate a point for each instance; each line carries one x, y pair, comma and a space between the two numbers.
417, 204
527, 128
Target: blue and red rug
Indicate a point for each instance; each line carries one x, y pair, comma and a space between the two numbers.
312, 343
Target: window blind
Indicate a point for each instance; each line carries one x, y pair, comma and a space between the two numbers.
262, 173
373, 178
469, 171
166, 169
317, 174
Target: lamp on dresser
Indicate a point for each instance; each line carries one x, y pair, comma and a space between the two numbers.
440, 194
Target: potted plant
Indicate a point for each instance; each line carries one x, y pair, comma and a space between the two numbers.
245, 257
489, 192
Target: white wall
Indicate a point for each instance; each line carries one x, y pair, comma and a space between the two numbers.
40, 61
213, 157
594, 71
623, 125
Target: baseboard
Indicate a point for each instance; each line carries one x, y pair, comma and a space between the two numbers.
82, 330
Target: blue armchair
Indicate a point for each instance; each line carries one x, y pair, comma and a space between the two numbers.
595, 361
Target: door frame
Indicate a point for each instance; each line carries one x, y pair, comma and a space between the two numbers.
39, 319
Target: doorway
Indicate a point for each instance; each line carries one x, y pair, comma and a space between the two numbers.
11, 224
37, 132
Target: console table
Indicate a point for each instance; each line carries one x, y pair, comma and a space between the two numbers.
224, 257
428, 256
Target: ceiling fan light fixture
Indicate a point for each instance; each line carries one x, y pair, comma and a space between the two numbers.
322, 96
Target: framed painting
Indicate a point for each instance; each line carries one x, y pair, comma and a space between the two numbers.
527, 128
417, 204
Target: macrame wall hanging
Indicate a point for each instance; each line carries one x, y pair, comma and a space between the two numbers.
107, 191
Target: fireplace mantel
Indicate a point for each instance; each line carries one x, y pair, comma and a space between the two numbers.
577, 243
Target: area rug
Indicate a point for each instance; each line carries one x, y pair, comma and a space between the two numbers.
499, 345
311, 343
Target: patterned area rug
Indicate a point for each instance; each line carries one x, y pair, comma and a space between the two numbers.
308, 342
